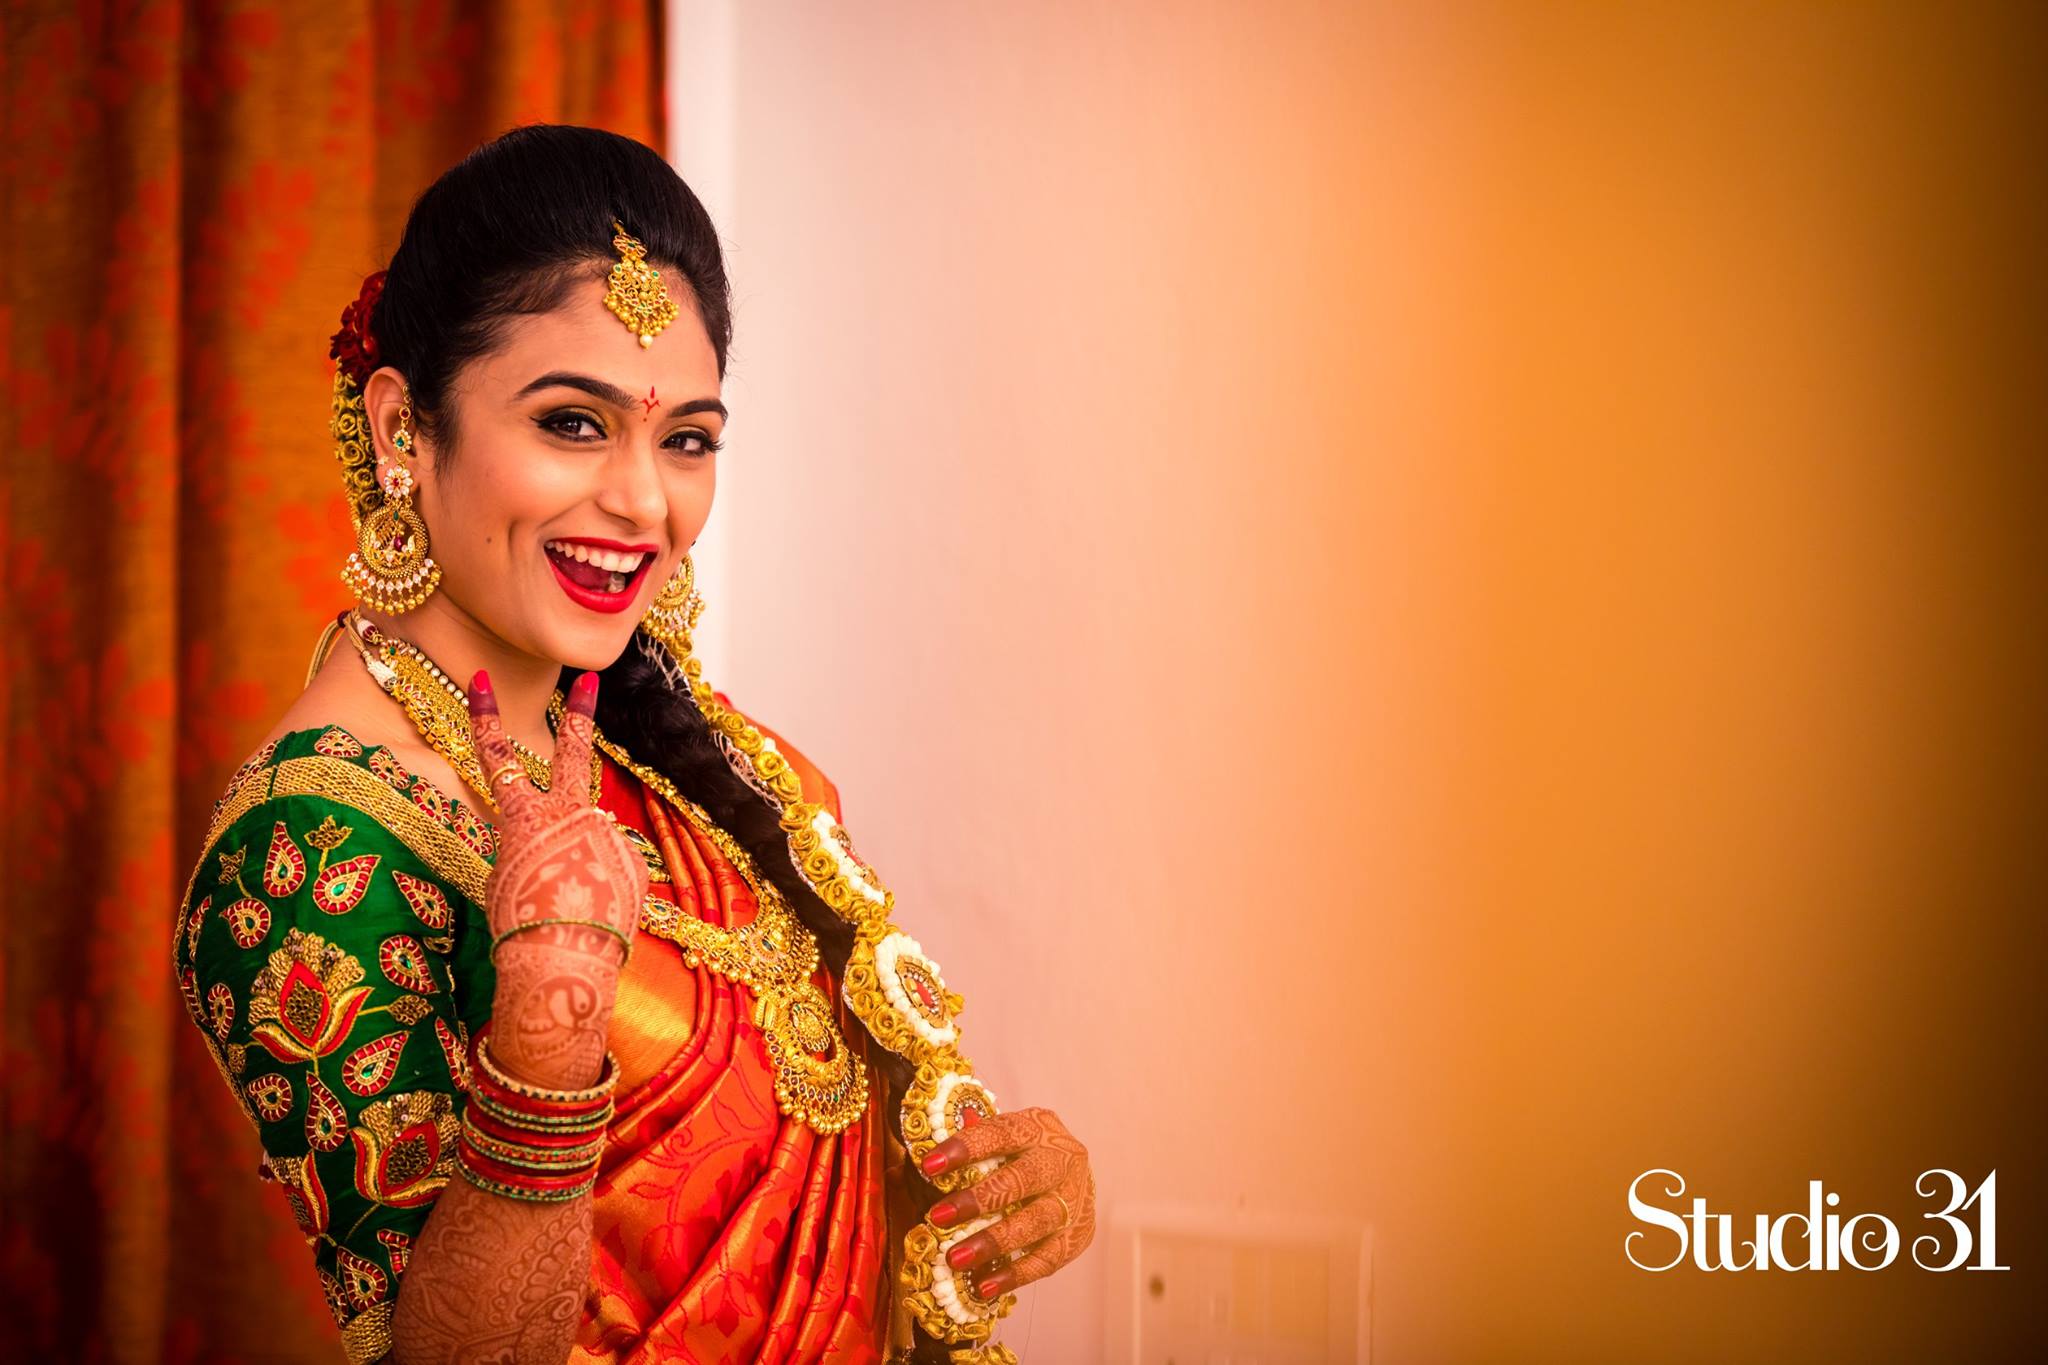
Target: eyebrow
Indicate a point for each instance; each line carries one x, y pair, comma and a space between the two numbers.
612, 393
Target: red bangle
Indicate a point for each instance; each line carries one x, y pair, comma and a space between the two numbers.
517, 1152
481, 1163
538, 1101
493, 1125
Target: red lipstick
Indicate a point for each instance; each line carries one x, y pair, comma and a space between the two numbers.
595, 599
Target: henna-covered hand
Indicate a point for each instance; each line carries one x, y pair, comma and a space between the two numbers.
1041, 1160
565, 870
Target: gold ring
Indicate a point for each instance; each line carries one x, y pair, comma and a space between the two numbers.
506, 772
1069, 1212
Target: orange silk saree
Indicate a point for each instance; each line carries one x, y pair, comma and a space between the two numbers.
725, 1231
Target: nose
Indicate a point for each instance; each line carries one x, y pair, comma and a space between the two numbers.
632, 488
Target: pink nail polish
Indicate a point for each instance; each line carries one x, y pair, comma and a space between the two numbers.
586, 684
481, 683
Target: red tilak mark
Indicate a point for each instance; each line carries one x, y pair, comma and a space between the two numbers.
650, 401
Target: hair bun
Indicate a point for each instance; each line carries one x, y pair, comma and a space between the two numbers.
355, 346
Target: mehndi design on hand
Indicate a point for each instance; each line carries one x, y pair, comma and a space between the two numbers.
1046, 1165
563, 902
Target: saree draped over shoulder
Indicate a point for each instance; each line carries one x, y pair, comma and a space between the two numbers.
332, 948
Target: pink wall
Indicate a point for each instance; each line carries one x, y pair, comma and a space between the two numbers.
1416, 606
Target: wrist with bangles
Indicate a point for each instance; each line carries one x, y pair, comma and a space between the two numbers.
624, 942
531, 1142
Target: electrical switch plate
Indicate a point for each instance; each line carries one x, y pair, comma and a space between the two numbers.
1191, 1287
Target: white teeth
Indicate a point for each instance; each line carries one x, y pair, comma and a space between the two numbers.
613, 560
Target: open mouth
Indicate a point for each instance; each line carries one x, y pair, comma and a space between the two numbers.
603, 577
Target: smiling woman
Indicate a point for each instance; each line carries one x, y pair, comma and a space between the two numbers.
703, 1096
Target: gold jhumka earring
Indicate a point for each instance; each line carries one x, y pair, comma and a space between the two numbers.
390, 570
637, 296
673, 613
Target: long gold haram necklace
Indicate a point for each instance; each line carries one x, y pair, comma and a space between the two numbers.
818, 1079
894, 988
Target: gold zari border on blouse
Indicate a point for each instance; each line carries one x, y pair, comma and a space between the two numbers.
445, 855
368, 1334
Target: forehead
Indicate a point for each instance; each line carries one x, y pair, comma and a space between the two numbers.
584, 336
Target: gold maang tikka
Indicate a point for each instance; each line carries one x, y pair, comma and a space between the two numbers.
637, 296
391, 570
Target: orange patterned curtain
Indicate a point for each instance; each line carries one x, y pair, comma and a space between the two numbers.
191, 193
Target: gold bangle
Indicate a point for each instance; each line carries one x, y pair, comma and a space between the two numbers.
611, 929
607, 1081
490, 1186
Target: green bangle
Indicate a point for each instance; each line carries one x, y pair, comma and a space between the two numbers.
611, 929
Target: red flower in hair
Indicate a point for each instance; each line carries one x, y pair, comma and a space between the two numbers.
355, 346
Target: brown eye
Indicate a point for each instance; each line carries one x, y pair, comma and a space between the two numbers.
704, 444
564, 424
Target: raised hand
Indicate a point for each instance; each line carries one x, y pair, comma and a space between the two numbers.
1044, 1172
563, 901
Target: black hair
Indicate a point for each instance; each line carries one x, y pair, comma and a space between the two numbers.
509, 229
507, 232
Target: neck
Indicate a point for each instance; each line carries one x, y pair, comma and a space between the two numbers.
460, 645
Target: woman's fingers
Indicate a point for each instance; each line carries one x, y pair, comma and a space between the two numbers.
1000, 1136
1044, 1232
1035, 1264
504, 774
1035, 1260
571, 763
1038, 1219
1034, 1172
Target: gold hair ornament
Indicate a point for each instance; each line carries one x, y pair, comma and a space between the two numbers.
637, 296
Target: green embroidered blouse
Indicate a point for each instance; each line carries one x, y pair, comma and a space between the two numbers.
333, 950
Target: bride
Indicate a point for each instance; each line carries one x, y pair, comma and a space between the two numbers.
572, 1024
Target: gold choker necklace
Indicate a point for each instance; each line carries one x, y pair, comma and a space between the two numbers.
439, 709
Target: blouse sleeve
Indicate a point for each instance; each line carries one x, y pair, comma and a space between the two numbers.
336, 969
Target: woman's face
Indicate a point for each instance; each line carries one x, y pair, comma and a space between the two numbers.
583, 470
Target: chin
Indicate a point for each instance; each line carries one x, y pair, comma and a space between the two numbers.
593, 648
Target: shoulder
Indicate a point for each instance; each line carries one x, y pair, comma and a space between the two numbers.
324, 775
318, 834
323, 854
817, 787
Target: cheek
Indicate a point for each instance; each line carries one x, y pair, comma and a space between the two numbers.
689, 504
480, 510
